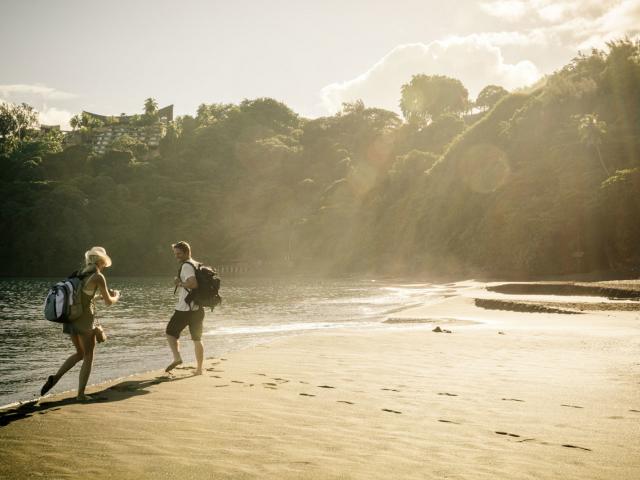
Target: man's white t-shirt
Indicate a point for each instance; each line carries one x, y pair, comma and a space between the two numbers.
187, 271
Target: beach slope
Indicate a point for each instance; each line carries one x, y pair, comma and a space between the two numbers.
504, 395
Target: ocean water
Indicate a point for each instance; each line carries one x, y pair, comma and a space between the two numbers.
253, 311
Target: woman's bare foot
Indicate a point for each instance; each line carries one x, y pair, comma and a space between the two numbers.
198, 372
84, 398
48, 385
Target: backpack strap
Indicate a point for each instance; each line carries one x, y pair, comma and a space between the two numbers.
180, 271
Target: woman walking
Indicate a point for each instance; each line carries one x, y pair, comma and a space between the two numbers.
81, 330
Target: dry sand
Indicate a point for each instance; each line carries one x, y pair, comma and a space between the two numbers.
504, 396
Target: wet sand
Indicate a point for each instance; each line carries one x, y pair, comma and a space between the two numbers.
513, 395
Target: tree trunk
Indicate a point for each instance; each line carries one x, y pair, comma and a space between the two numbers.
604, 167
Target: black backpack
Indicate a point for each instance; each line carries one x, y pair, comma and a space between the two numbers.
206, 295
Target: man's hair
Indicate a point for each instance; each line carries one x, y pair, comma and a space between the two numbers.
183, 247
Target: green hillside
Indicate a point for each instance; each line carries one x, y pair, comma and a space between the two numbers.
523, 184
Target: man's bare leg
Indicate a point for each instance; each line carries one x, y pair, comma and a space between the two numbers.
199, 349
174, 345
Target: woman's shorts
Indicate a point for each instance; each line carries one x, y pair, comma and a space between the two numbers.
81, 326
180, 319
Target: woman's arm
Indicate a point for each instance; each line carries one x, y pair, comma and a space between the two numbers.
106, 293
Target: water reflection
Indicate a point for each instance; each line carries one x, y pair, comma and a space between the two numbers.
253, 311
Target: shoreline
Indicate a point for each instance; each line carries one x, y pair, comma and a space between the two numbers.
504, 395
629, 300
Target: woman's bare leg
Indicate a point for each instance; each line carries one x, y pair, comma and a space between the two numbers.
88, 341
65, 367
70, 362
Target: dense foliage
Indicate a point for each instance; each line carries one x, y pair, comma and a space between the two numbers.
517, 184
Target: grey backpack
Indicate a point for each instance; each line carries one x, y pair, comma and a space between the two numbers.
63, 303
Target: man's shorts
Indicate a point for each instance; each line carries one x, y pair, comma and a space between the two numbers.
180, 319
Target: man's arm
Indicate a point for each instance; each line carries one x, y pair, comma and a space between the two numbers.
190, 282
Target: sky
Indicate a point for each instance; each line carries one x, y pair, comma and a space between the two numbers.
66, 56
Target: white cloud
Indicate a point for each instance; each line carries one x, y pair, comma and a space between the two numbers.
577, 24
39, 97
55, 116
474, 60
505, 8
40, 91
551, 11
624, 20
50, 115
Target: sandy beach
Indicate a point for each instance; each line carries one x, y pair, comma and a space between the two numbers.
505, 395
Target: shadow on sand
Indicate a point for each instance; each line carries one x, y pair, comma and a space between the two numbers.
114, 393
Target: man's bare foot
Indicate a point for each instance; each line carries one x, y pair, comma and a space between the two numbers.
198, 371
84, 398
173, 365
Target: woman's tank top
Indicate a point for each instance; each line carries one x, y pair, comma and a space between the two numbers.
88, 297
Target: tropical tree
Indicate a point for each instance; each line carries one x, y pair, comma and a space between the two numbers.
489, 96
591, 130
150, 107
16, 120
76, 121
426, 97
85, 120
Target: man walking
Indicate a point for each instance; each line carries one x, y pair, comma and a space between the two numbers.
186, 313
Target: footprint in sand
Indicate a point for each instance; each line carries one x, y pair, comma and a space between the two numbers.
305, 383
390, 411
448, 421
512, 400
448, 394
218, 386
306, 395
236, 381
508, 434
568, 445
634, 411
215, 376
571, 406
390, 389
268, 384
325, 386
345, 401
262, 374
280, 380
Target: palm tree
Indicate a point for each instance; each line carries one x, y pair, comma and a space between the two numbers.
591, 131
150, 106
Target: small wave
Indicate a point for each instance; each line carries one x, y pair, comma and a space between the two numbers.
399, 298
286, 327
